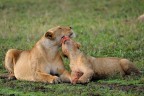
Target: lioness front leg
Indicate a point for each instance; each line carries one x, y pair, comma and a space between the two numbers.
64, 75
44, 77
86, 77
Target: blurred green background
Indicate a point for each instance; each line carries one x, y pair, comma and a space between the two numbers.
105, 28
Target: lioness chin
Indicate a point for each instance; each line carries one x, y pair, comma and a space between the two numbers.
90, 67
43, 61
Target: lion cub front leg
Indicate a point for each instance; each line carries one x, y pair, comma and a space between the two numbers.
75, 75
44, 77
86, 77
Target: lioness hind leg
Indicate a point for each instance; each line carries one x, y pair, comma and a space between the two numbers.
9, 63
11, 76
44, 77
10, 60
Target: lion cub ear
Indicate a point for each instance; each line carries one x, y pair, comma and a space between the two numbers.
78, 45
49, 35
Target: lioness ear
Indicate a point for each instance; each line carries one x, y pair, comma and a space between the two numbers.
60, 28
78, 45
49, 35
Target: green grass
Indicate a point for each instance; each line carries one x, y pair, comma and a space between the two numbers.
105, 28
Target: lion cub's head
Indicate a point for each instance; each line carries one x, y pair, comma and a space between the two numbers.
69, 46
53, 36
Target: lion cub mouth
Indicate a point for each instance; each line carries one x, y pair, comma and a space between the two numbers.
64, 39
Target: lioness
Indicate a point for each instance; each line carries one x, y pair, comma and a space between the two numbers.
43, 61
88, 67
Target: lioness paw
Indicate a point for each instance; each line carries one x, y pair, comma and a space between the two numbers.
56, 80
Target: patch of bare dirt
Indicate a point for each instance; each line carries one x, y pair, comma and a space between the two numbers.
126, 88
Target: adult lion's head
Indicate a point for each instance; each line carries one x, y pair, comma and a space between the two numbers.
53, 36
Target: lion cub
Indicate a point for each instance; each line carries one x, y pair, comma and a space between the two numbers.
41, 63
89, 67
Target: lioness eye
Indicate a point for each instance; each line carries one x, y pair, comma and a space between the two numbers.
70, 34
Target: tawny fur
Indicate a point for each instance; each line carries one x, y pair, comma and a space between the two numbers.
92, 67
43, 61
141, 18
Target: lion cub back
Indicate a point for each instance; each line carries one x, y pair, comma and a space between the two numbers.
106, 66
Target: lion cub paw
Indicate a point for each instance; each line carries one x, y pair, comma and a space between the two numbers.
74, 81
76, 77
83, 81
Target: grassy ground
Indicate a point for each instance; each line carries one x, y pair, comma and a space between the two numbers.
103, 27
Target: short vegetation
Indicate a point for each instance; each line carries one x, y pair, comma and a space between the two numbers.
105, 28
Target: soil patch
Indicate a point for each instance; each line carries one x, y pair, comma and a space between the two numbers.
136, 88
